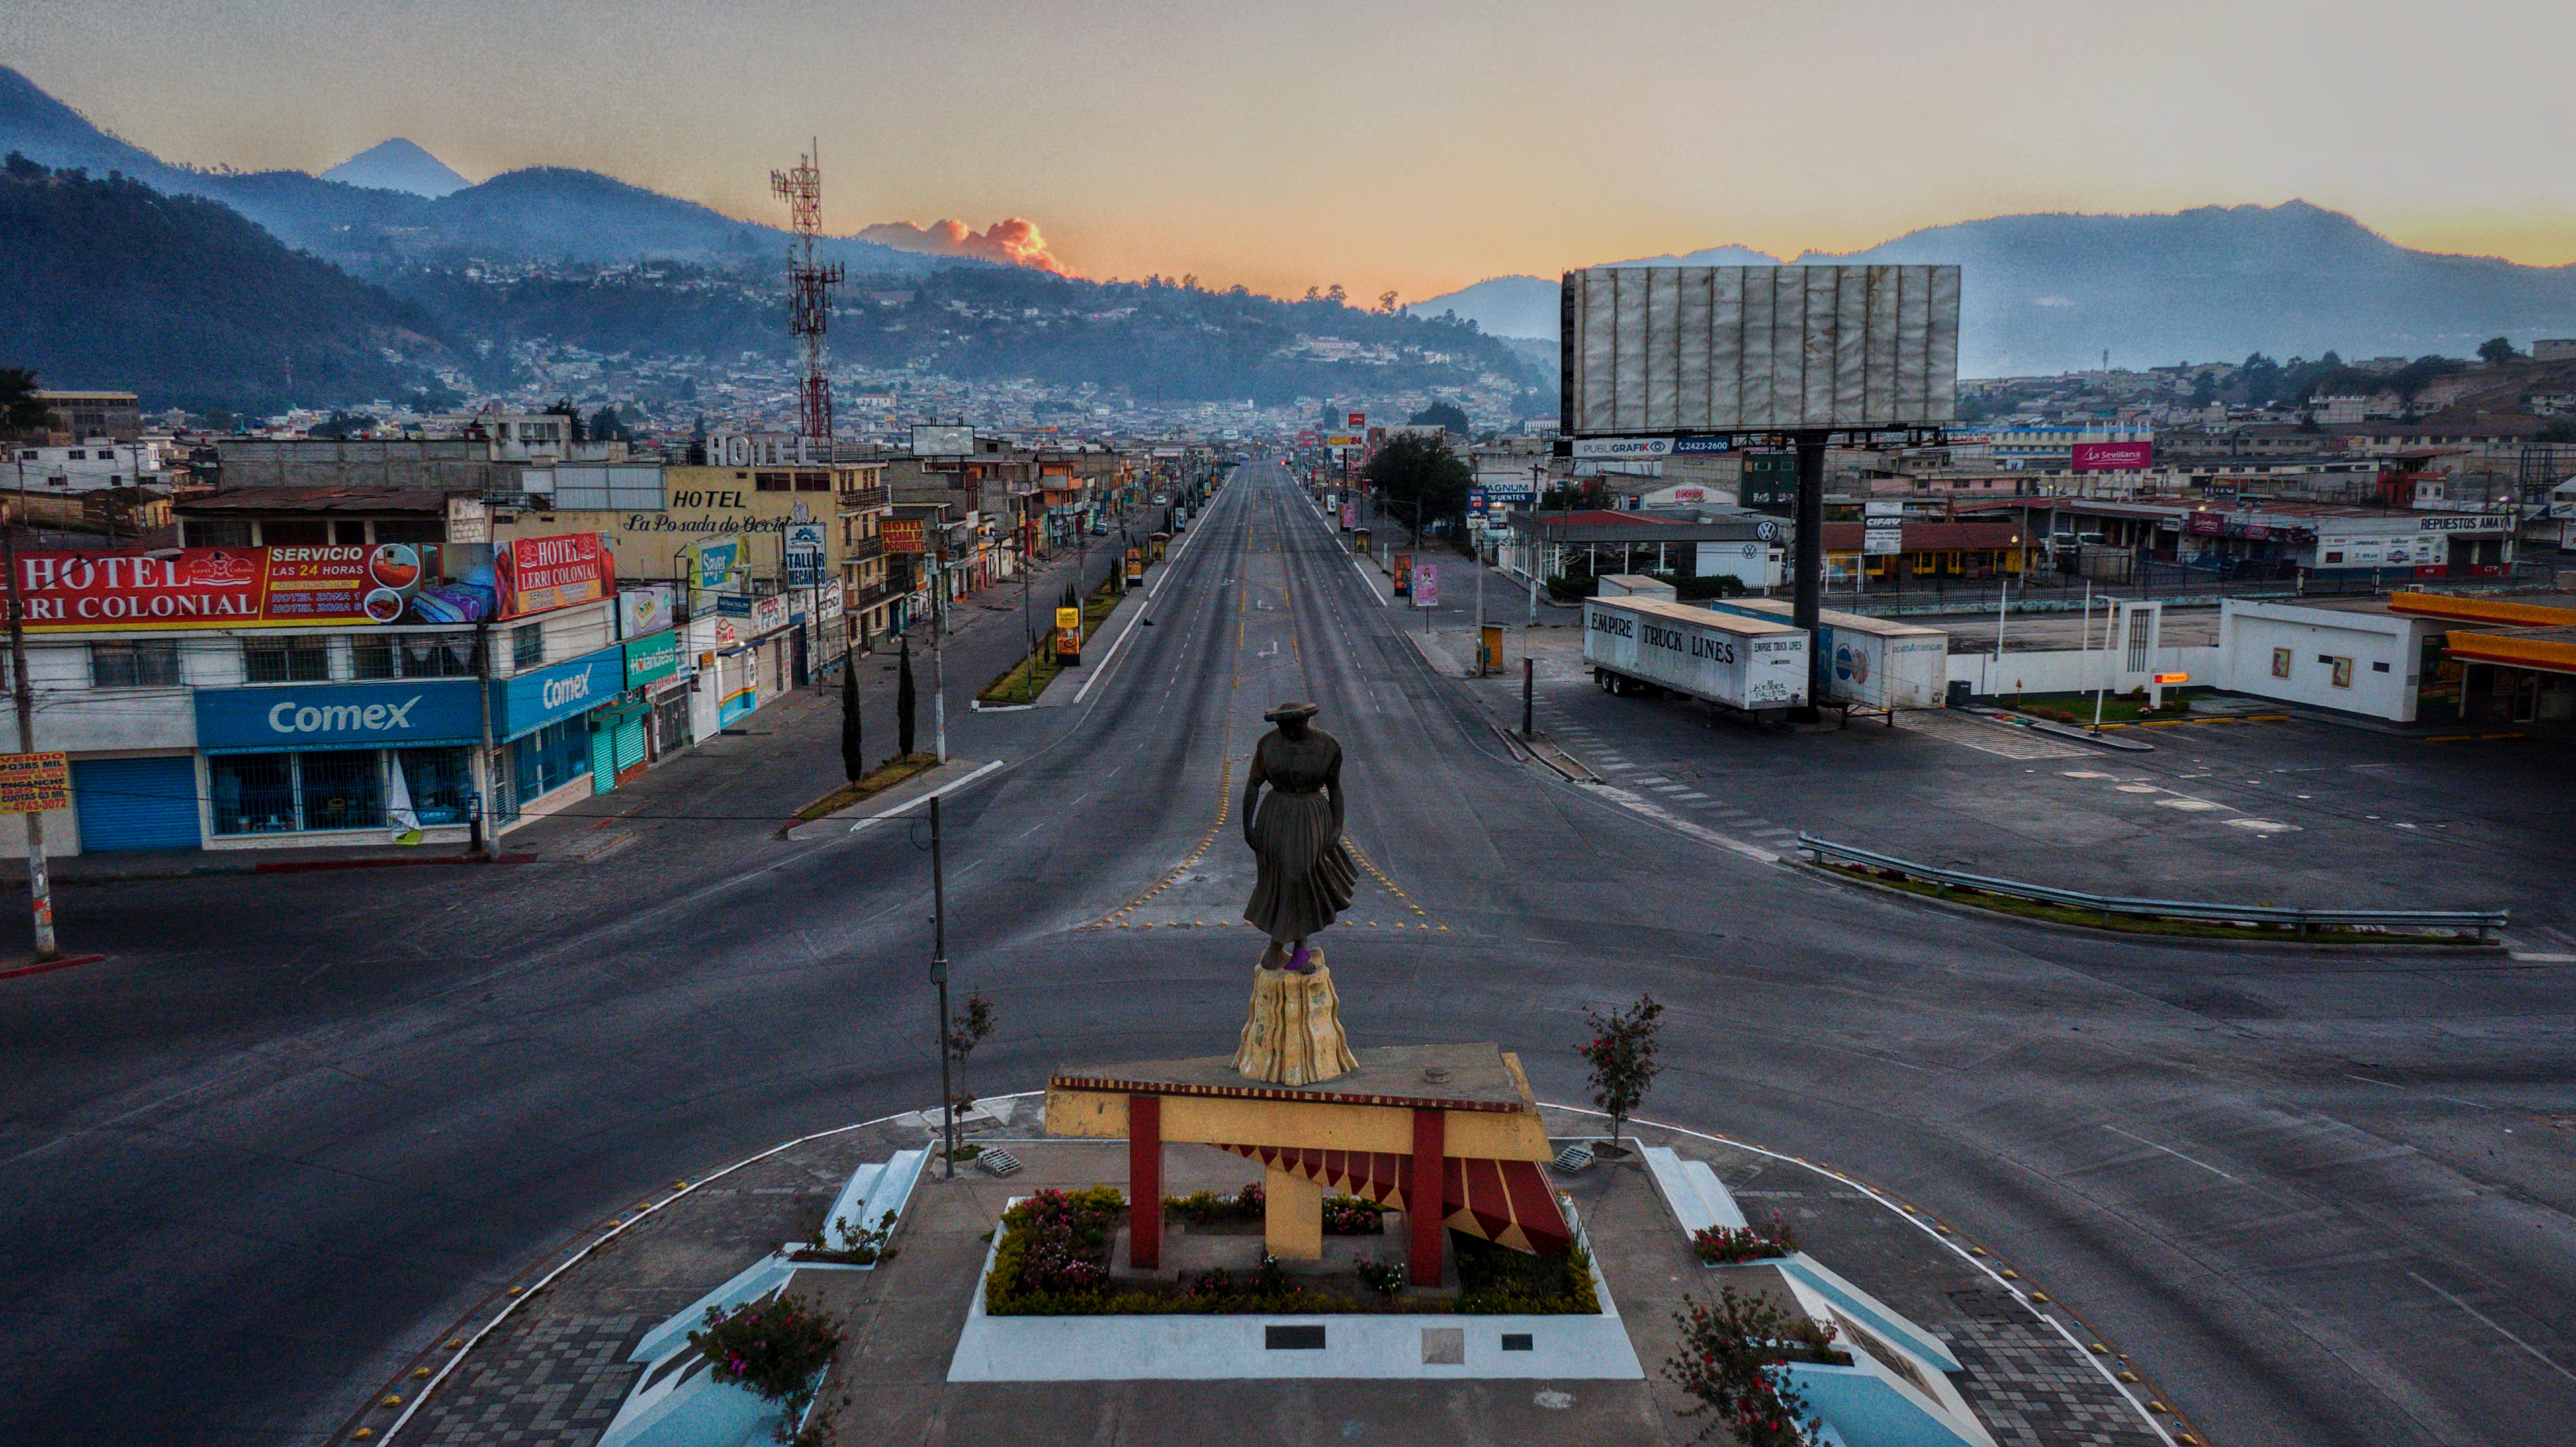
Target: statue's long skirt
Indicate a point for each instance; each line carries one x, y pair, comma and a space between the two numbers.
1306, 875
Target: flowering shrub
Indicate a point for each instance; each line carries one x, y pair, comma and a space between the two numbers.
777, 1348
860, 1243
1731, 1359
1351, 1216
1727, 1245
1064, 1238
1386, 1278
1206, 1208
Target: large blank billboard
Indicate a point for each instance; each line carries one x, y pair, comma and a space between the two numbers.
1651, 349
930, 440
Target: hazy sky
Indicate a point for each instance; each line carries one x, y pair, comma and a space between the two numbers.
1418, 146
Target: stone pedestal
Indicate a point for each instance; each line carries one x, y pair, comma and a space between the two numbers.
1293, 1033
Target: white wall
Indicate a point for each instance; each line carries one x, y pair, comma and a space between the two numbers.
2075, 670
62, 836
1760, 570
2386, 653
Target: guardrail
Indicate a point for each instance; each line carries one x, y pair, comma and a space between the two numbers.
2108, 906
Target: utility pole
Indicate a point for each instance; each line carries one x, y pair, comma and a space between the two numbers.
2003, 595
939, 651
1028, 633
39, 891
939, 977
1806, 596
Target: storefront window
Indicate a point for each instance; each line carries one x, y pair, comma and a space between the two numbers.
150, 664
341, 790
551, 757
253, 793
287, 660
413, 655
441, 783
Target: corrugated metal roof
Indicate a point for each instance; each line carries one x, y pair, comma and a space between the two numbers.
317, 499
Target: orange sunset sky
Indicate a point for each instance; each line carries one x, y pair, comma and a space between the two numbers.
1413, 146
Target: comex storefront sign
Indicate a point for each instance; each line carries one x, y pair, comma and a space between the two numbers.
533, 700
337, 716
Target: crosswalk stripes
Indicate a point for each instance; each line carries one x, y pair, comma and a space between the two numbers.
1609, 762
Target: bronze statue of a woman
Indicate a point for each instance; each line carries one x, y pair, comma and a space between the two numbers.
1305, 874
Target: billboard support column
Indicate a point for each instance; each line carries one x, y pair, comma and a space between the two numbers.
1809, 577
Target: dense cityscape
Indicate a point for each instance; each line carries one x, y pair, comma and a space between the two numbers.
640, 822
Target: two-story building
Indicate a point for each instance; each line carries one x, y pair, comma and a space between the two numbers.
330, 667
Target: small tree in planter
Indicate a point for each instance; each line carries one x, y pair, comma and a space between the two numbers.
967, 1029
1622, 1054
1732, 1352
776, 1348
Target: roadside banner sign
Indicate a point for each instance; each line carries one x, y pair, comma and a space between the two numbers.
2173, 678
1426, 585
33, 783
1882, 528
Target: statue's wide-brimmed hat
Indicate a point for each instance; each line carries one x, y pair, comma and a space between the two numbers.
1290, 711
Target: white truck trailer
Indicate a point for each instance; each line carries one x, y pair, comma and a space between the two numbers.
1638, 645
1869, 662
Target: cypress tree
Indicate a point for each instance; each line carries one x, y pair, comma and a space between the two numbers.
903, 702
854, 747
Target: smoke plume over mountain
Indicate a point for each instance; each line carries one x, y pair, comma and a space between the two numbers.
1016, 242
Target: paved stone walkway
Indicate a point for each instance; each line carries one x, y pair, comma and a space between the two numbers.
557, 1371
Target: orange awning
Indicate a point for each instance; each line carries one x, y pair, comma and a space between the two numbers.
2481, 610
2550, 650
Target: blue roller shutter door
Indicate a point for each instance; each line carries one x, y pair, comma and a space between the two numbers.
135, 803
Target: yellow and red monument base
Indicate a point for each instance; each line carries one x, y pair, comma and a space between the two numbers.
1448, 1134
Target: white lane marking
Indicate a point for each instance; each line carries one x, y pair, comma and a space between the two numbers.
2536, 1353
2177, 1155
1640, 804
947, 788
1134, 620
2537, 958
1368, 582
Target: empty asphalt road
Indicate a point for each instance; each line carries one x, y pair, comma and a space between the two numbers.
295, 1127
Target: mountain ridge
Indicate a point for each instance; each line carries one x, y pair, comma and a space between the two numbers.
2050, 291
372, 229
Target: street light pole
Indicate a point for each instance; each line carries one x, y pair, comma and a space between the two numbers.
2003, 594
39, 889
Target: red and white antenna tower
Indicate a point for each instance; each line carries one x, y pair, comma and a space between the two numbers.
809, 285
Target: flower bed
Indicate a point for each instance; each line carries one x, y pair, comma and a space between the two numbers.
1053, 1260
1733, 1245
777, 1349
1245, 1210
